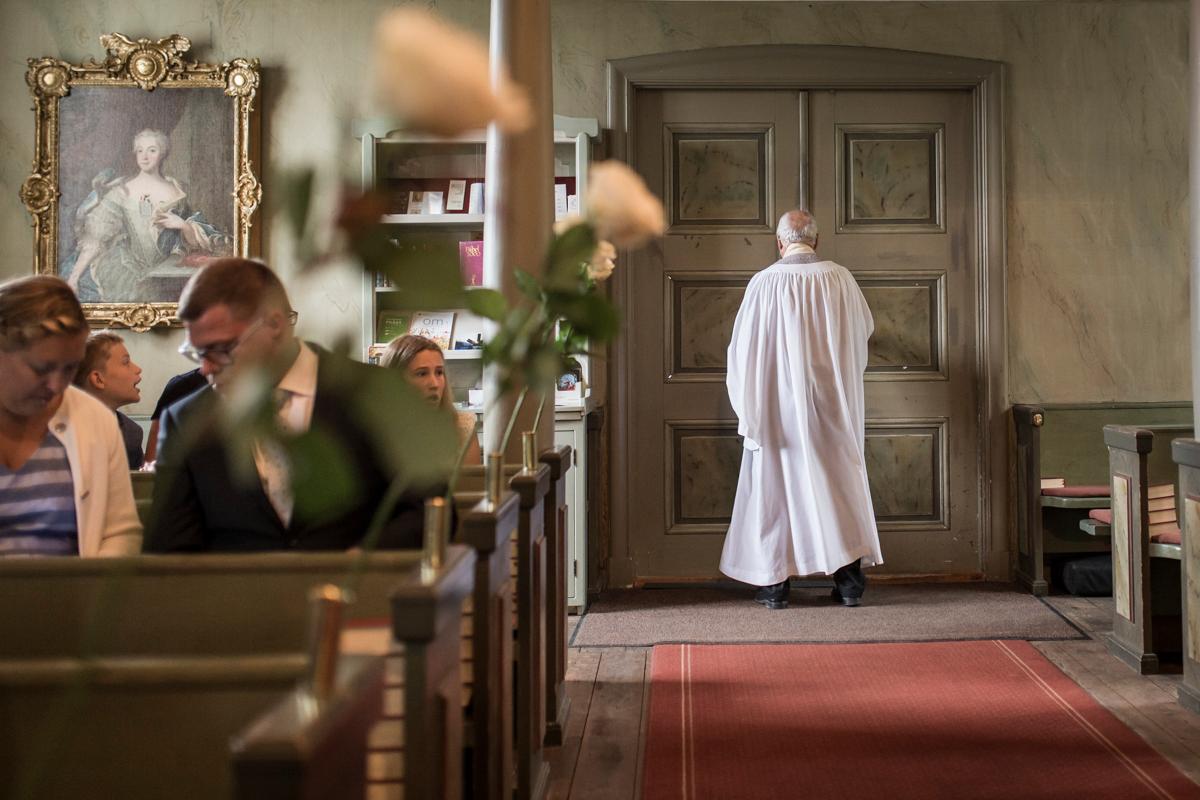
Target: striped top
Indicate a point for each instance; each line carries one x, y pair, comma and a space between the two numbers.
37, 505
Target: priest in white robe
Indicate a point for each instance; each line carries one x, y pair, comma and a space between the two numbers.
795, 380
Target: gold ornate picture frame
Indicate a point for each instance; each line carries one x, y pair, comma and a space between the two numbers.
142, 170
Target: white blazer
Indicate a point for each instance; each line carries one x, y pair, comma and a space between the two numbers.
105, 512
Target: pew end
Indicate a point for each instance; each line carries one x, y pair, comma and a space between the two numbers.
1147, 617
1186, 453
302, 749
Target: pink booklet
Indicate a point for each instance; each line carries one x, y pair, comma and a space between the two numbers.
470, 260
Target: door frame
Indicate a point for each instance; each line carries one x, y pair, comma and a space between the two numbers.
812, 68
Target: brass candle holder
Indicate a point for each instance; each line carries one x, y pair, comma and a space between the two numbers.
326, 606
529, 450
493, 477
436, 534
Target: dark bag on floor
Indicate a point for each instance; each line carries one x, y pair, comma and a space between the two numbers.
1088, 577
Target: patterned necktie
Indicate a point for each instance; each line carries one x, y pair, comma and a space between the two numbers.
274, 468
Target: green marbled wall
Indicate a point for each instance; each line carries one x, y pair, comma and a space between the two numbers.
1096, 143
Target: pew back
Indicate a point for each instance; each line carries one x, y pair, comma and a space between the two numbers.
178, 604
126, 677
1066, 441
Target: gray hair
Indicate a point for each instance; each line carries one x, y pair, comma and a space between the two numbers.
797, 225
163, 141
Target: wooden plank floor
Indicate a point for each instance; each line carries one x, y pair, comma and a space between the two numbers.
609, 689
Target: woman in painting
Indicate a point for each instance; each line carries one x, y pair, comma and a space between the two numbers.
130, 229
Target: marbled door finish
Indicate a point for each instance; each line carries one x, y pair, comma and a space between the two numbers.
903, 336
902, 468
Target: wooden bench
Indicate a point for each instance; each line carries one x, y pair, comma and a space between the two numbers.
488, 628
164, 657
315, 751
1066, 441
143, 494
418, 747
558, 705
529, 567
1186, 454
1146, 599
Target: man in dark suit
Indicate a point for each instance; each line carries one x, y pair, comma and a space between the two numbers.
239, 322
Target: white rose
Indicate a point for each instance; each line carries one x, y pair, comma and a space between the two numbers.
601, 265
621, 207
566, 223
436, 77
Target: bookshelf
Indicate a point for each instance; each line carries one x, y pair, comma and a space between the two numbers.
434, 192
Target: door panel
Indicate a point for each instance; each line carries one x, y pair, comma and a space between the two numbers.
893, 186
888, 176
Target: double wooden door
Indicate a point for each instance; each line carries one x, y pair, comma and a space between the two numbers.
890, 179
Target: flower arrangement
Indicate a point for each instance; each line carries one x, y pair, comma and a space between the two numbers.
435, 78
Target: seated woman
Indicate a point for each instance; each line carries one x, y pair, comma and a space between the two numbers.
64, 478
425, 367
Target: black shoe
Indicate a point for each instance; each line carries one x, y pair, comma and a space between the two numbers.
774, 596
848, 602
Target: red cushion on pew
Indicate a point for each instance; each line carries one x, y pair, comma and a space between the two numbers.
1077, 491
1101, 515
1171, 536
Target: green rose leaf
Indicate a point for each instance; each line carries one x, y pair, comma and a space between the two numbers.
323, 480
568, 252
528, 285
297, 195
487, 303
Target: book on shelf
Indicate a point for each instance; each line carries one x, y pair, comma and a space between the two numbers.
1155, 517
434, 195
1161, 503
433, 325
1160, 490
1154, 529
456, 195
475, 198
375, 353
391, 324
560, 200
383, 281
470, 260
1053, 483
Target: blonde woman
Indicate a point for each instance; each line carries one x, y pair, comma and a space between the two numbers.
425, 367
64, 478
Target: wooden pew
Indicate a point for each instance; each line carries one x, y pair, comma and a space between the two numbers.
422, 734
1146, 600
558, 705
1066, 441
533, 772
301, 748
1186, 453
530, 570
488, 628
143, 494
131, 674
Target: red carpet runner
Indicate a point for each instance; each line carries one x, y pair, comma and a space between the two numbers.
931, 720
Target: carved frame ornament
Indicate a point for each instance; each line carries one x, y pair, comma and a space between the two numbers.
148, 65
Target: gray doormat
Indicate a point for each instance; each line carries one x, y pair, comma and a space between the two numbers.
889, 613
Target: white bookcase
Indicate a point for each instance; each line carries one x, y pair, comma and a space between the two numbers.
398, 164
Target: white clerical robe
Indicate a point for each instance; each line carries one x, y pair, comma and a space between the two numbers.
795, 379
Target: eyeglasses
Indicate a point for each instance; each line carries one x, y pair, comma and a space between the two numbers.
221, 353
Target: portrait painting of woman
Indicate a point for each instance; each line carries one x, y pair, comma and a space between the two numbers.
147, 190
137, 234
